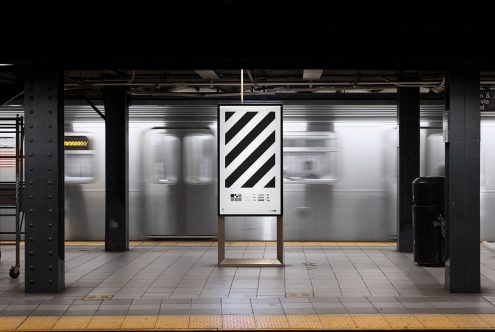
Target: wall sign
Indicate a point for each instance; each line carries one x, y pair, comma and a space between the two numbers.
486, 102
250, 160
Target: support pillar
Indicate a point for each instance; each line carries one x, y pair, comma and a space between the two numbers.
116, 169
408, 105
44, 183
462, 185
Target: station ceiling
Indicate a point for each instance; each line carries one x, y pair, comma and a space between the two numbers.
189, 48
257, 83
227, 82
399, 35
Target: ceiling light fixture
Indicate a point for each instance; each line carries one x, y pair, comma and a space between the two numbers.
312, 74
208, 74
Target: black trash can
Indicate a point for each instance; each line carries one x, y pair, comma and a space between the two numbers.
428, 221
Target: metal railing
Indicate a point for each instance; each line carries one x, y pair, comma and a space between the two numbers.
11, 191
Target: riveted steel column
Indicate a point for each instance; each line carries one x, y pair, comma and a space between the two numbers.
44, 188
116, 169
462, 185
408, 124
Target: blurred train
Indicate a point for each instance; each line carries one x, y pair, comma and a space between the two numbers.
340, 171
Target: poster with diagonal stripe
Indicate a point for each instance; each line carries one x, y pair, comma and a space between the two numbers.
250, 160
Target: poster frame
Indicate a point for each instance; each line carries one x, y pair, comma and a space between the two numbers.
281, 151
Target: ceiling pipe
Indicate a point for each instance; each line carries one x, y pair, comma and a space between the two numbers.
13, 98
360, 84
250, 76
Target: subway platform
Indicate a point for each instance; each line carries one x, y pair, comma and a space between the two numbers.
177, 285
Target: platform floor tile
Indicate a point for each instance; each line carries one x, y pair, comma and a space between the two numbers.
11, 323
488, 318
39, 323
245, 322
468, 321
72, 322
271, 322
435, 321
139, 322
401, 321
106, 322
337, 321
178, 285
205, 321
172, 322
370, 321
304, 322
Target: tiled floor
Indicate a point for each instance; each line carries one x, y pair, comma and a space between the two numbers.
321, 284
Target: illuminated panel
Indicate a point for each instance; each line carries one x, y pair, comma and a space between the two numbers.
76, 143
250, 160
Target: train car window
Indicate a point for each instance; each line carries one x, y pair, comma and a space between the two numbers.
310, 158
7, 161
289, 143
166, 157
435, 155
487, 157
78, 166
79, 159
199, 158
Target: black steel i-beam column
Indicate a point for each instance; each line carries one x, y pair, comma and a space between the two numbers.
462, 185
44, 189
116, 169
408, 124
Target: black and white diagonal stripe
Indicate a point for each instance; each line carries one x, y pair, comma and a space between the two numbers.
249, 149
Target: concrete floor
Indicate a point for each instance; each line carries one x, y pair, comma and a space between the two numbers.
181, 279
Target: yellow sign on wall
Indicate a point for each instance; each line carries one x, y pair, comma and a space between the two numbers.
76, 143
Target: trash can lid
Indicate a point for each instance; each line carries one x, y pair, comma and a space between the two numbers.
430, 180
428, 190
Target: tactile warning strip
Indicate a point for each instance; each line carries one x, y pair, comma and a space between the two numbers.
206, 322
106, 322
370, 322
172, 322
72, 323
400, 321
250, 322
271, 322
304, 322
435, 321
245, 322
39, 323
468, 321
337, 322
139, 322
11, 323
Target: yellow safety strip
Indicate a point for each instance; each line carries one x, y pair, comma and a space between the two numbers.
250, 322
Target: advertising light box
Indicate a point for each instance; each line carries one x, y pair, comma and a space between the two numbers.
250, 160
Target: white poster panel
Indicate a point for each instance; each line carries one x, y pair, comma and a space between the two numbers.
250, 160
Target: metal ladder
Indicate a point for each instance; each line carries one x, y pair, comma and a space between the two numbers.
11, 191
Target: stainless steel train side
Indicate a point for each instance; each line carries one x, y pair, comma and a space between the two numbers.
339, 173
178, 173
340, 167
